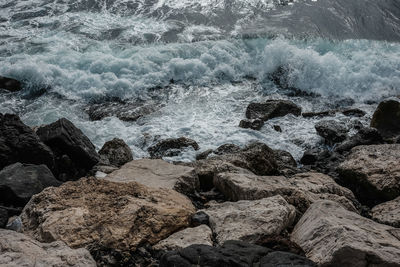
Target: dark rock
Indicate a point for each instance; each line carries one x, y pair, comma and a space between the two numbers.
221, 150
3, 217
115, 152
171, 147
332, 131
284, 259
271, 109
354, 112
277, 128
366, 136
251, 124
387, 118
281, 243
324, 161
10, 84
200, 218
287, 165
318, 114
204, 154
75, 154
18, 143
310, 156
19, 182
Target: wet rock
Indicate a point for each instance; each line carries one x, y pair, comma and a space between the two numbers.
365, 136
387, 213
221, 150
310, 156
125, 111
250, 220
332, 131
386, 118
115, 152
18, 143
19, 182
200, 235
10, 84
354, 112
114, 215
200, 218
373, 172
277, 128
17, 249
318, 114
287, 165
74, 153
271, 109
333, 236
171, 147
157, 173
281, 243
3, 217
251, 124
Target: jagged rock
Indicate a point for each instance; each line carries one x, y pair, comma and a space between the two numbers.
125, 111
115, 152
318, 114
221, 150
387, 118
373, 172
271, 109
3, 217
354, 112
250, 220
75, 154
18, 143
387, 213
301, 190
256, 124
157, 173
19, 182
200, 235
232, 254
171, 147
10, 84
333, 236
17, 249
101, 214
287, 165
200, 218
365, 136
332, 131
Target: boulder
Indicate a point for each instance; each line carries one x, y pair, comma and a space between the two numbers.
19, 182
115, 152
97, 214
287, 165
200, 235
333, 236
256, 124
373, 172
232, 254
354, 112
221, 150
75, 154
171, 147
18, 143
157, 173
387, 213
365, 136
3, 217
386, 118
17, 249
10, 84
332, 131
250, 221
271, 109
319, 114
301, 190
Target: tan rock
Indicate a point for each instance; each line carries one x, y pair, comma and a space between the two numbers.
200, 235
333, 236
18, 250
157, 173
250, 220
93, 212
387, 213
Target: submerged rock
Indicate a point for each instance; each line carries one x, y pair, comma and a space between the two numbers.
115, 152
333, 236
171, 147
256, 124
354, 112
387, 213
271, 109
17, 249
10, 84
386, 118
332, 131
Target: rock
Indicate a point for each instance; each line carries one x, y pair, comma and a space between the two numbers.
286, 163
102, 214
75, 154
190, 236
3, 217
333, 236
200, 218
232, 254
221, 150
256, 124
250, 221
18, 143
332, 131
301, 190
387, 118
373, 172
19, 182
204, 154
387, 213
157, 173
10, 84
277, 128
354, 112
310, 156
17, 249
318, 114
15, 224
271, 109
171, 147
365, 136
115, 152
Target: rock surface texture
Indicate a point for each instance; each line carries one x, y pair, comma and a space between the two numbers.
271, 109
387, 118
98, 213
115, 152
332, 131
333, 236
387, 213
171, 147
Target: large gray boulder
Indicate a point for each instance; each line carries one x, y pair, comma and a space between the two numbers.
387, 213
115, 152
333, 236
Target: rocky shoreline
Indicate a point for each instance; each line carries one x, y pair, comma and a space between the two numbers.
62, 203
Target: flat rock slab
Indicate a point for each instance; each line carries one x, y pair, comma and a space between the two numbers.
17, 249
98, 213
387, 213
250, 221
333, 236
157, 173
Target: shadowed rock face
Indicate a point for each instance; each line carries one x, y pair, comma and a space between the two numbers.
10, 84
387, 118
171, 147
115, 152
332, 131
